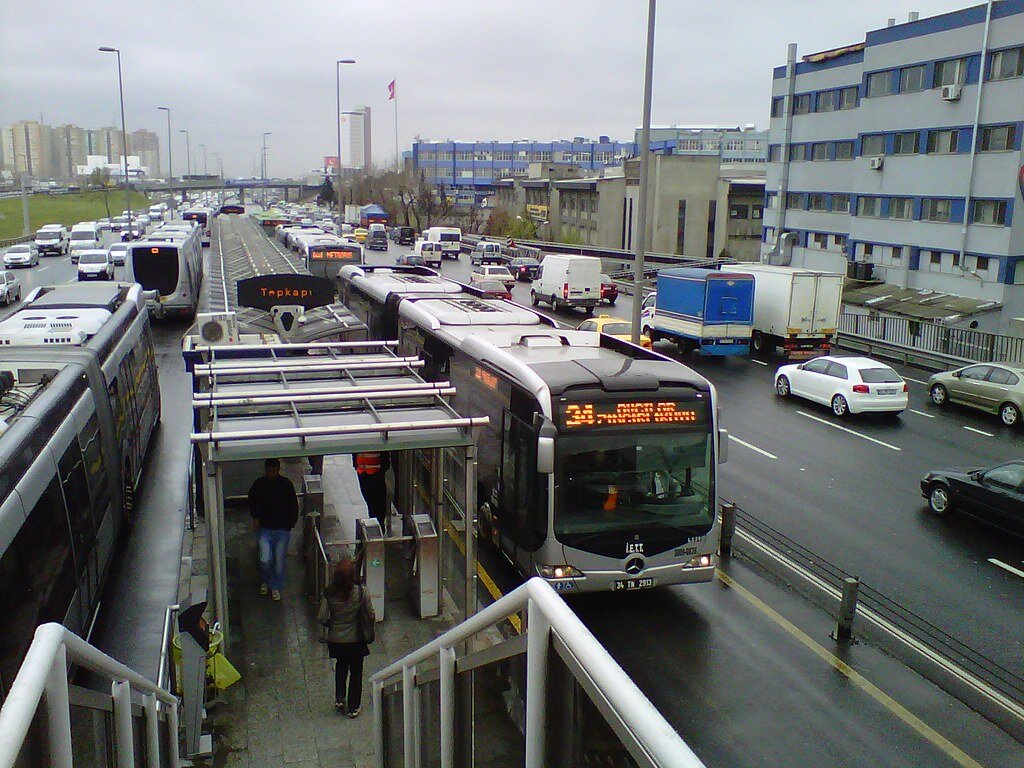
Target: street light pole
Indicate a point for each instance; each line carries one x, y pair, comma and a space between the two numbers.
188, 163
220, 174
124, 135
170, 152
263, 161
205, 173
645, 151
337, 167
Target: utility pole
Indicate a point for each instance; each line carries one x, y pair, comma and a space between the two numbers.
170, 154
26, 228
337, 166
645, 151
124, 137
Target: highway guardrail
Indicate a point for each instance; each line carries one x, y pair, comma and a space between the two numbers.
15, 240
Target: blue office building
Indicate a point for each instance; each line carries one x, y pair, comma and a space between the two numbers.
467, 171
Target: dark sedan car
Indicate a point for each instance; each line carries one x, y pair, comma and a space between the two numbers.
993, 493
492, 289
524, 268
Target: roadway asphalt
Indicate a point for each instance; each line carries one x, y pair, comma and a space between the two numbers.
848, 490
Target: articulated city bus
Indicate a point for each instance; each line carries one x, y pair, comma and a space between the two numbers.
598, 468
79, 400
170, 263
204, 218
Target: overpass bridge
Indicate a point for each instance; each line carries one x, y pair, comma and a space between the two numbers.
288, 189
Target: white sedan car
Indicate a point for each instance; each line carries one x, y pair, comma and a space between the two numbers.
21, 255
10, 287
845, 384
118, 253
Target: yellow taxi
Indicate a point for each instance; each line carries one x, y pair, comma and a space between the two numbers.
360, 234
613, 326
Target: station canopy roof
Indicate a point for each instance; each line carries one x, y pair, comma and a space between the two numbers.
320, 399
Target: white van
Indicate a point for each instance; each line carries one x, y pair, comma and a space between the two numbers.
568, 281
85, 236
450, 239
431, 251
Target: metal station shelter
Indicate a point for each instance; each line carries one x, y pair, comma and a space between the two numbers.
273, 399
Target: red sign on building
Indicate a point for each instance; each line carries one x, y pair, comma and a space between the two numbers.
330, 162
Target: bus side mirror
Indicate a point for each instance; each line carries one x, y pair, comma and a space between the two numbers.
723, 446
545, 455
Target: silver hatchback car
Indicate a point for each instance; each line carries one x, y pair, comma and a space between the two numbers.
993, 387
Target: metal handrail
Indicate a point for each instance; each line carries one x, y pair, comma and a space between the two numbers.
547, 613
418, 392
163, 676
224, 369
43, 676
352, 429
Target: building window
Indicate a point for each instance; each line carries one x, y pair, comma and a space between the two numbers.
802, 104
821, 240
817, 202
841, 203
997, 138
897, 255
1006, 64
942, 142
844, 150
772, 200
681, 227
869, 206
756, 212
819, 151
912, 79
777, 106
739, 211
873, 145
935, 260
991, 212
828, 101
794, 202
936, 209
956, 261
774, 153
849, 97
901, 208
868, 249
879, 84
796, 153
981, 264
840, 241
949, 72
907, 143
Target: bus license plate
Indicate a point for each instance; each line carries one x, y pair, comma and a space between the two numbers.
626, 585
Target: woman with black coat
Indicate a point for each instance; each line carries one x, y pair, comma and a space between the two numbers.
343, 602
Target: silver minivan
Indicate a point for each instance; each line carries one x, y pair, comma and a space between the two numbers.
486, 252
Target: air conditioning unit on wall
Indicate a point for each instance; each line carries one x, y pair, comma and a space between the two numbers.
876, 163
217, 328
951, 92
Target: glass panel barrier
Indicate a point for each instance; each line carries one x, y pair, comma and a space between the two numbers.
92, 736
452, 529
499, 713
430, 724
394, 730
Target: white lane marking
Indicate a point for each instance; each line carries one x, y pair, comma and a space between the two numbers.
1006, 567
922, 413
979, 431
759, 362
850, 431
916, 381
754, 448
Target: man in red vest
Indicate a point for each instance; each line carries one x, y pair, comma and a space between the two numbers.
370, 468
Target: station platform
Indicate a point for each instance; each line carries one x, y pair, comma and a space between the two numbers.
282, 710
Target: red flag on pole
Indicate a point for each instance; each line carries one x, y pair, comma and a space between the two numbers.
391, 90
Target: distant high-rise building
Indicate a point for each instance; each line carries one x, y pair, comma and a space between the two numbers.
43, 152
146, 145
356, 151
69, 144
7, 149
32, 145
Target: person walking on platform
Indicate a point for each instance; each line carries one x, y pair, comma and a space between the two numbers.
370, 468
275, 511
347, 614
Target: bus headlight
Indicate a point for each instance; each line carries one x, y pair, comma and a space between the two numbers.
701, 561
558, 572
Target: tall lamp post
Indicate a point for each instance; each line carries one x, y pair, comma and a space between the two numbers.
188, 162
205, 172
645, 151
220, 175
124, 134
263, 166
337, 168
170, 153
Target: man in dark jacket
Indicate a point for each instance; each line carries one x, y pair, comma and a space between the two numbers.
275, 511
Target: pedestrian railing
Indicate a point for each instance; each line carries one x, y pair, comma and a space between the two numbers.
47, 720
962, 345
461, 701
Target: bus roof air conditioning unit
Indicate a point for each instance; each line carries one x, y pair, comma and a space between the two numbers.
217, 328
951, 92
876, 163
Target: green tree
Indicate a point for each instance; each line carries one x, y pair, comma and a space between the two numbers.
523, 227
499, 223
325, 195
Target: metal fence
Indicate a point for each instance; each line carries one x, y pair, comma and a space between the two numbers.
963, 343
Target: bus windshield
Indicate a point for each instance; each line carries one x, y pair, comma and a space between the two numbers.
156, 269
657, 483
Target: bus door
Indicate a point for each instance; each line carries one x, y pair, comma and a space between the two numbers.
523, 518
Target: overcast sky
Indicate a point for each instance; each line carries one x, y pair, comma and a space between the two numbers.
466, 69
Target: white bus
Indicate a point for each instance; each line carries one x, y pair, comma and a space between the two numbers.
169, 262
79, 400
450, 239
598, 469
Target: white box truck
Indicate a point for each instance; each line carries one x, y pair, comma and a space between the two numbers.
568, 281
450, 239
352, 214
796, 310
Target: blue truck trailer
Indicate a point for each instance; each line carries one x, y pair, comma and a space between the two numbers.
702, 310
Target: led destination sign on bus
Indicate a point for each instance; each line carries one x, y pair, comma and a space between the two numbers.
332, 254
625, 414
